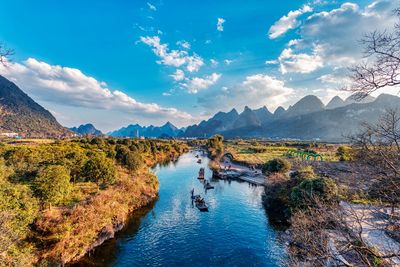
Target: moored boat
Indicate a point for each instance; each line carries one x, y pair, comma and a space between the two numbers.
201, 173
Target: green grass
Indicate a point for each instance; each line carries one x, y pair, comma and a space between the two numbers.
245, 152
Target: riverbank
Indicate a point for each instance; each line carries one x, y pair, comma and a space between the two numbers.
234, 232
64, 198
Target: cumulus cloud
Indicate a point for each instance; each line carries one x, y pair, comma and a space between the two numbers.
196, 84
179, 75
287, 22
175, 58
255, 91
70, 87
331, 38
183, 44
220, 24
301, 62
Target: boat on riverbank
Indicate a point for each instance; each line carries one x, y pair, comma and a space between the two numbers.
201, 174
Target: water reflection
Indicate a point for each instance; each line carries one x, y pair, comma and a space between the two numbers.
235, 232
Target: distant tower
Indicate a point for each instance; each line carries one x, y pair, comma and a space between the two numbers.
137, 134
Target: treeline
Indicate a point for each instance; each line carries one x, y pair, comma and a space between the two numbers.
35, 178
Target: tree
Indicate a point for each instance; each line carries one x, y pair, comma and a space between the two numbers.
99, 169
344, 153
133, 161
382, 50
378, 146
53, 184
277, 165
215, 145
4, 54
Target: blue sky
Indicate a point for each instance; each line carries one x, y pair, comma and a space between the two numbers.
113, 63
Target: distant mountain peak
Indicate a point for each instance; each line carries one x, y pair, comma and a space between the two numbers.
336, 102
307, 104
86, 129
279, 111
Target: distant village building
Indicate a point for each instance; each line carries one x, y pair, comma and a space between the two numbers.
10, 135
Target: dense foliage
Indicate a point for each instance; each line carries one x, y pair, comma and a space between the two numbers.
40, 180
277, 165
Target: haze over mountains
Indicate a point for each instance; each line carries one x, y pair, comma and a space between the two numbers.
308, 119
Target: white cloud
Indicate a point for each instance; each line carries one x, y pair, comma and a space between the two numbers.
220, 24
301, 62
255, 91
176, 58
179, 75
228, 61
340, 80
196, 84
287, 22
214, 62
183, 44
70, 87
151, 7
271, 62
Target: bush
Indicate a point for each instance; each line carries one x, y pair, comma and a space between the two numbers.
277, 165
133, 161
311, 190
344, 153
53, 184
100, 170
304, 173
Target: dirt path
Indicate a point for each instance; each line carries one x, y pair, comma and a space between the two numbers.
371, 222
245, 173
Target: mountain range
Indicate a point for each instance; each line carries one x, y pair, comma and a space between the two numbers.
168, 130
22, 115
86, 129
308, 119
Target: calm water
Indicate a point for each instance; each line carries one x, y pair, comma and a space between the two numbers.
235, 231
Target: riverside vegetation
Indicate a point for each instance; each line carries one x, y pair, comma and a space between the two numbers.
59, 200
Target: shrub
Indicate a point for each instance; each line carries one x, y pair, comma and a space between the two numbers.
53, 184
344, 153
133, 161
311, 190
100, 170
276, 165
304, 173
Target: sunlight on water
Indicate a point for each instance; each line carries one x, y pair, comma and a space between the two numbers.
235, 231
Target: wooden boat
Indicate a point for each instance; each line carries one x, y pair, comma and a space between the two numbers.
201, 173
208, 186
199, 161
202, 206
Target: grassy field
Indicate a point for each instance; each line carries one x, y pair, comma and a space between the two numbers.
258, 152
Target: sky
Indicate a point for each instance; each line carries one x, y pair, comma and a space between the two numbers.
114, 63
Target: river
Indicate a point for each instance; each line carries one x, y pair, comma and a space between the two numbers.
172, 232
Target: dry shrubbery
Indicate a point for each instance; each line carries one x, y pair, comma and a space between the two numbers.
56, 199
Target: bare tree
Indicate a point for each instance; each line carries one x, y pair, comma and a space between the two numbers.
381, 67
379, 147
5, 53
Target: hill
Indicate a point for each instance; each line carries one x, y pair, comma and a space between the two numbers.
86, 129
22, 115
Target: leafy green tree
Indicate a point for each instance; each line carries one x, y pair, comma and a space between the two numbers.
53, 184
133, 161
99, 169
277, 165
311, 190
